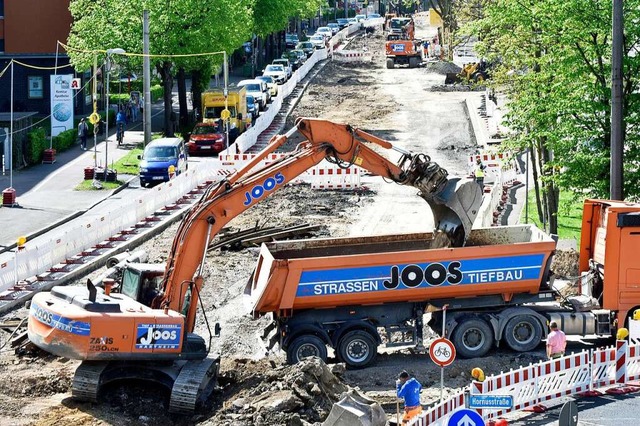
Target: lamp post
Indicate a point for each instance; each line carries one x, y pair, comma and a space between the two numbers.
117, 51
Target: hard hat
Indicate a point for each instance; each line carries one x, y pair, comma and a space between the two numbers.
622, 333
478, 374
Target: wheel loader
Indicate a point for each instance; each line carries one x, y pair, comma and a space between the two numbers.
476, 72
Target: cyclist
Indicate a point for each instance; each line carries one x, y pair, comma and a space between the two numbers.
121, 121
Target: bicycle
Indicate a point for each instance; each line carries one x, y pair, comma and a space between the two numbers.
442, 351
120, 133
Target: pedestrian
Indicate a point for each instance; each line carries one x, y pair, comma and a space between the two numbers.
479, 173
409, 389
556, 341
83, 131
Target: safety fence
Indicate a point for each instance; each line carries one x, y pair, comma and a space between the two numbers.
529, 387
352, 56
324, 175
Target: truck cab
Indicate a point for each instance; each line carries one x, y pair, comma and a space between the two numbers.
214, 103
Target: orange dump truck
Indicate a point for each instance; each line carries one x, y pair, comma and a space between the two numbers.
349, 293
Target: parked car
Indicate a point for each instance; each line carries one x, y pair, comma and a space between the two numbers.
286, 64
306, 47
294, 59
326, 31
352, 21
252, 108
374, 16
158, 157
360, 18
256, 88
343, 22
301, 55
271, 84
290, 40
334, 27
318, 40
277, 72
207, 138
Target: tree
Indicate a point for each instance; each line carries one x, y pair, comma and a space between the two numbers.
555, 66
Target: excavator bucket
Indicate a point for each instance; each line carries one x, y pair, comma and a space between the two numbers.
455, 208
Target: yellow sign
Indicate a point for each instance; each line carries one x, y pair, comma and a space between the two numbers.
94, 118
225, 114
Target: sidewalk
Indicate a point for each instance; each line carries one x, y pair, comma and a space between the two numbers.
46, 193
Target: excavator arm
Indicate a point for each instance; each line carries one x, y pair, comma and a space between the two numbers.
454, 202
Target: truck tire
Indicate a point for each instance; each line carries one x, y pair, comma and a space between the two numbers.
472, 338
390, 63
305, 346
522, 333
413, 62
357, 348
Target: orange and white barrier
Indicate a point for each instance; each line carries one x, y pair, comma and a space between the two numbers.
352, 56
334, 177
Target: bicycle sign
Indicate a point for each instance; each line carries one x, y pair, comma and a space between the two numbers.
442, 352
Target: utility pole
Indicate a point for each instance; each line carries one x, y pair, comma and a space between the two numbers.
146, 78
617, 121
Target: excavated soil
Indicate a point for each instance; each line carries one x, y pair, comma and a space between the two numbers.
257, 387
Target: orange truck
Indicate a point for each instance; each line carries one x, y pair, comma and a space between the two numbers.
349, 293
400, 47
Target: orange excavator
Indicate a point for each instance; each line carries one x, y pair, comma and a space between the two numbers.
143, 328
401, 48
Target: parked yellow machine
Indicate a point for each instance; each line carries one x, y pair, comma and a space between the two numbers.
213, 105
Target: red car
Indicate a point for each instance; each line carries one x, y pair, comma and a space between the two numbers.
206, 138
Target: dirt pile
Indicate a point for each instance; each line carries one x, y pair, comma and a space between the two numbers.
301, 394
442, 67
565, 263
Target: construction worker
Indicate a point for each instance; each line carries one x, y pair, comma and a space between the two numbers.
409, 389
479, 172
556, 341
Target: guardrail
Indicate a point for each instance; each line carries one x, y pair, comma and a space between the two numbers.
576, 374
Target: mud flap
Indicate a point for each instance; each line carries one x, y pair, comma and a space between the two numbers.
455, 208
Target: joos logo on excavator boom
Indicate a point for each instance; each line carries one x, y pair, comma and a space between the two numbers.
259, 190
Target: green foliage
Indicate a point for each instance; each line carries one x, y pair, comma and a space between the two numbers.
65, 140
129, 163
569, 215
556, 67
37, 143
87, 185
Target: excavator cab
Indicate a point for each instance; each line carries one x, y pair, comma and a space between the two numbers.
142, 282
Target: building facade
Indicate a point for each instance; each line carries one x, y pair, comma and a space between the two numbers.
29, 33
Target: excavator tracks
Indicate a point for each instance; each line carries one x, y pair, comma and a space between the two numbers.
193, 384
86, 381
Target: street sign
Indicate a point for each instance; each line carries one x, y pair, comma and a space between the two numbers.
225, 114
442, 352
491, 402
569, 414
465, 417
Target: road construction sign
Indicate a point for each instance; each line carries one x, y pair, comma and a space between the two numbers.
442, 352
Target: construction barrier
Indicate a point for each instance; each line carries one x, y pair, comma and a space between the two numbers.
352, 56
576, 374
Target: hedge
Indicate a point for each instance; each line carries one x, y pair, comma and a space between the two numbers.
157, 92
65, 140
37, 143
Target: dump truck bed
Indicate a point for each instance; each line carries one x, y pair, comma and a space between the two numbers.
325, 273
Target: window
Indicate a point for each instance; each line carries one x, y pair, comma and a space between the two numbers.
1, 7
1, 45
35, 87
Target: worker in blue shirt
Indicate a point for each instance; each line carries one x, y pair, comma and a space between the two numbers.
409, 389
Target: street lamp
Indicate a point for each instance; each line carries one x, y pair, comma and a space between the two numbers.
116, 51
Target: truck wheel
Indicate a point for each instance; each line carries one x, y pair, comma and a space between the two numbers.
413, 62
472, 338
523, 333
305, 346
357, 348
390, 63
